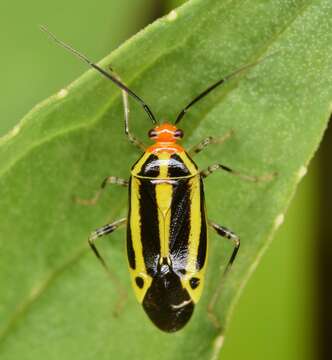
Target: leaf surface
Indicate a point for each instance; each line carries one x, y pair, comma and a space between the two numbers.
56, 300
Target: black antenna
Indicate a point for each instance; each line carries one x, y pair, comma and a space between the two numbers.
216, 84
103, 72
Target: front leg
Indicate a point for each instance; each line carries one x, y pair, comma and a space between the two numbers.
132, 138
207, 141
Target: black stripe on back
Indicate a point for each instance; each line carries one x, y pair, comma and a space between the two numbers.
149, 225
151, 167
130, 248
176, 167
201, 254
180, 223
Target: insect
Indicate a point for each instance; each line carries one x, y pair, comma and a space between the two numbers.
167, 224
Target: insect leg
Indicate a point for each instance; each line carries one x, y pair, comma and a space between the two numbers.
211, 169
107, 180
224, 232
138, 143
106, 230
228, 234
207, 141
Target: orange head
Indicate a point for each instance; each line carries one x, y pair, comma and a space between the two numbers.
165, 133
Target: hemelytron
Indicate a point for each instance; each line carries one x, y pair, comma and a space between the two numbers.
167, 225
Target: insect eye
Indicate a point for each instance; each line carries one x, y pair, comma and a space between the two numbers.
139, 282
194, 282
178, 134
152, 133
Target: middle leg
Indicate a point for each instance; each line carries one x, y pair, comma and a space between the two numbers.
212, 168
108, 180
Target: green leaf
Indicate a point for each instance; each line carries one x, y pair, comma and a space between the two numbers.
56, 300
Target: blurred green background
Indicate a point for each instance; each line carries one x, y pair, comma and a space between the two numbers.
279, 314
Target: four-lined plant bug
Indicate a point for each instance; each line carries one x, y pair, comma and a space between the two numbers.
167, 225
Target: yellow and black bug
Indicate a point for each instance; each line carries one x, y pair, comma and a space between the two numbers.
167, 225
